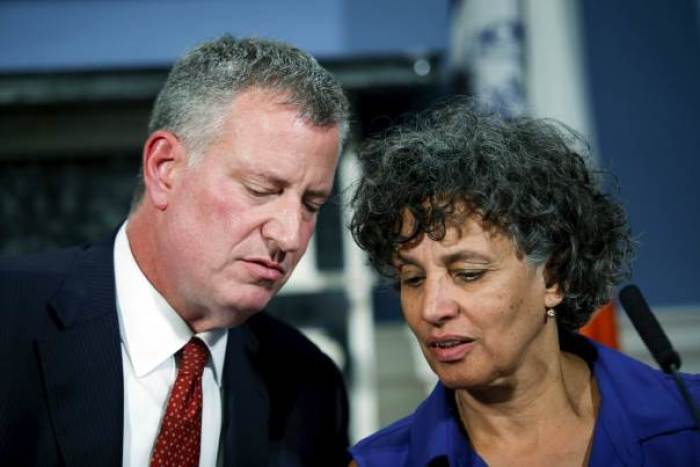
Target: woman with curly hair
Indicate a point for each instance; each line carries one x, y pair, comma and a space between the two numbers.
502, 244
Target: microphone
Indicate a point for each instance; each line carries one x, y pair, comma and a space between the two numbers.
649, 329
657, 342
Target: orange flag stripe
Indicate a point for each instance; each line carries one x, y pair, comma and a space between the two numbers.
603, 327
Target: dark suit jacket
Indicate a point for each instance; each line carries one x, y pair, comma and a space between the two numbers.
61, 380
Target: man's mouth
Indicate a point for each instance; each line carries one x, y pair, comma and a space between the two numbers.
264, 269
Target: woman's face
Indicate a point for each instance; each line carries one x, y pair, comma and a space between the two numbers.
476, 308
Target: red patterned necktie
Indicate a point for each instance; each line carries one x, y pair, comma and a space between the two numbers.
180, 431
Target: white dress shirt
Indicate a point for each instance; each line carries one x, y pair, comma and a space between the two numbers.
151, 334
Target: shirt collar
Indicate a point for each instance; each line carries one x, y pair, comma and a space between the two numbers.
436, 432
151, 330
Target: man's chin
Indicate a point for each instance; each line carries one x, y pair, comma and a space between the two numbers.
234, 309
231, 318
239, 319
251, 304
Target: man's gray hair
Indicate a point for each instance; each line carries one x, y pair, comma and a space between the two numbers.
206, 79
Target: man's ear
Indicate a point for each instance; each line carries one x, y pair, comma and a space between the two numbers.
163, 154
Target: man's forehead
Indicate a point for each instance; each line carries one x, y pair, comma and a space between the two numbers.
253, 97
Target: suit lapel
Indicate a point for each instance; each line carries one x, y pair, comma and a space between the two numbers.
246, 403
82, 366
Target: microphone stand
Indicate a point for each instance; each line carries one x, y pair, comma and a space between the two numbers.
683, 389
657, 342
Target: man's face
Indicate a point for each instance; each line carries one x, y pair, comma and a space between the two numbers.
239, 220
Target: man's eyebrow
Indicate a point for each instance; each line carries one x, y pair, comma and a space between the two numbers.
320, 194
264, 176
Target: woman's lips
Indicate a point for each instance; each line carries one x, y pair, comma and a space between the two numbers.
266, 270
450, 348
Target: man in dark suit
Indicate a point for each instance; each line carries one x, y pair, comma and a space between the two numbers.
149, 347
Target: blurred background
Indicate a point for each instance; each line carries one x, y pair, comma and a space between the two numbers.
77, 80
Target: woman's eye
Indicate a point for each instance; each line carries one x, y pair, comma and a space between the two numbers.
469, 275
411, 281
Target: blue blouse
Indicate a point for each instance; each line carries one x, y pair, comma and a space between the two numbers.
642, 420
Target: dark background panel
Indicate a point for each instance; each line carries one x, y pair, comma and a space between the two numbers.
644, 71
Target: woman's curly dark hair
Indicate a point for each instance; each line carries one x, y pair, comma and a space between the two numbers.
525, 177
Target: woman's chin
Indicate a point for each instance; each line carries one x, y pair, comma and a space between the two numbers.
467, 377
458, 380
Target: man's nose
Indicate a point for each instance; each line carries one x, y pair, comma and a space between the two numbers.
284, 227
439, 304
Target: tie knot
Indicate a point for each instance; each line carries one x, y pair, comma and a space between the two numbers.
194, 357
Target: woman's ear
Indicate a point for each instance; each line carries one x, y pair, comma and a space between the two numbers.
553, 295
163, 155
